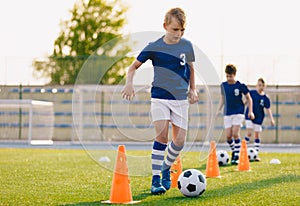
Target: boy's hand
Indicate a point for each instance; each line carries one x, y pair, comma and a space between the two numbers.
272, 122
218, 113
128, 92
193, 96
251, 115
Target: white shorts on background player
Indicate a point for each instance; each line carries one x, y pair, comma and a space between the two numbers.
176, 111
251, 125
233, 120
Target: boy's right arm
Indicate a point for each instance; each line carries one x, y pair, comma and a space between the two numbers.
128, 91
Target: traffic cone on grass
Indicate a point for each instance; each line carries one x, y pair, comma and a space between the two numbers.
212, 167
176, 170
120, 192
244, 163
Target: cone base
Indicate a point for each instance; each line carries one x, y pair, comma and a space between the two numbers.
125, 203
214, 177
243, 170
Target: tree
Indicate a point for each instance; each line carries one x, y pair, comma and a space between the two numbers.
92, 24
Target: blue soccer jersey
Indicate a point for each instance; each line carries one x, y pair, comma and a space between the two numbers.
259, 103
233, 97
171, 69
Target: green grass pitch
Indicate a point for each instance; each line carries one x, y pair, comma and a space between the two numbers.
71, 177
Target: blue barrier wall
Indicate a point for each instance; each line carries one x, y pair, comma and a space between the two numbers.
111, 109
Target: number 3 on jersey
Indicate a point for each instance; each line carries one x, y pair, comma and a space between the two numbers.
182, 59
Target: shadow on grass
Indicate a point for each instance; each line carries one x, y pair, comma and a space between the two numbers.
211, 194
143, 195
84, 203
245, 187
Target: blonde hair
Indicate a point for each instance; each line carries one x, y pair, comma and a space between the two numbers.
178, 14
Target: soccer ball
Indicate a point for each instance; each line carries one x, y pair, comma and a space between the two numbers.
223, 157
191, 183
252, 153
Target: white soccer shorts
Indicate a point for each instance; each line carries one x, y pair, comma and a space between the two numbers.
251, 125
233, 120
176, 111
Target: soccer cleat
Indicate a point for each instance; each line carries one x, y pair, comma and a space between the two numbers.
234, 159
233, 162
166, 179
157, 188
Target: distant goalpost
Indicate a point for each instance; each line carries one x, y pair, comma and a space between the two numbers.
26, 119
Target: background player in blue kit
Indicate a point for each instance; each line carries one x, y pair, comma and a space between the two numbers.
173, 88
260, 102
232, 92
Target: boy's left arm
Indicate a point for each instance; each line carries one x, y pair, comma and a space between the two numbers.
193, 95
269, 111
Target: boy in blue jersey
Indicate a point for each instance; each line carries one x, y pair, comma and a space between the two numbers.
232, 92
173, 88
260, 102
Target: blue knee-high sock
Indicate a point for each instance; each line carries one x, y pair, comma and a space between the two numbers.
172, 154
158, 152
257, 144
237, 146
231, 144
247, 139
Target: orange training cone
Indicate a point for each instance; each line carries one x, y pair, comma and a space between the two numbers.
176, 170
120, 191
212, 167
244, 163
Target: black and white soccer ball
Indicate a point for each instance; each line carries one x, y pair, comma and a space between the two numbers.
223, 157
191, 183
252, 153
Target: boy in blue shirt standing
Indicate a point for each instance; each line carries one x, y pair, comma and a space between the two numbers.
173, 88
260, 102
232, 92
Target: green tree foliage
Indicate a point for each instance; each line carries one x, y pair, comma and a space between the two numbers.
93, 23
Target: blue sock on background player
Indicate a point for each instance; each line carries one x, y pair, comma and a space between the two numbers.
237, 146
257, 144
247, 139
231, 144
